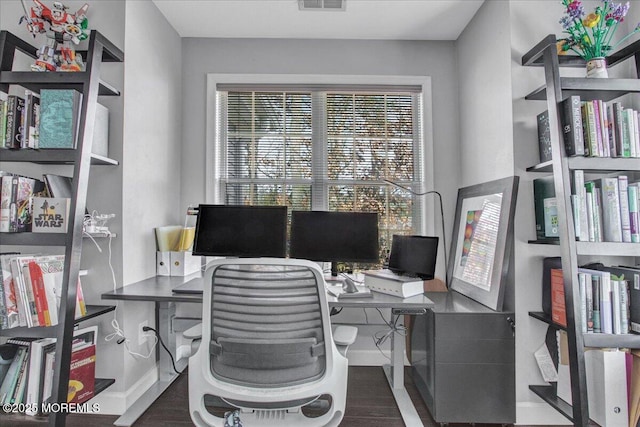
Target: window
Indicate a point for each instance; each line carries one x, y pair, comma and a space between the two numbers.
323, 149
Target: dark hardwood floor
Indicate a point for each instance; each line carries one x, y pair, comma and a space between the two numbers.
369, 404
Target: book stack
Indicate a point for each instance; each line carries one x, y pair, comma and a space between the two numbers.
16, 192
33, 205
595, 128
31, 289
29, 378
387, 282
48, 120
606, 209
609, 300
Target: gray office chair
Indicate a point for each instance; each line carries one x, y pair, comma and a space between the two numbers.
267, 350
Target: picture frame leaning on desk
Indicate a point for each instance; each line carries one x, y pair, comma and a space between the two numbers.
483, 240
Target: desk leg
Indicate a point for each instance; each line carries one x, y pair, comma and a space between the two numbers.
395, 377
165, 312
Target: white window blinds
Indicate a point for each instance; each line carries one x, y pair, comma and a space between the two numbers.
322, 149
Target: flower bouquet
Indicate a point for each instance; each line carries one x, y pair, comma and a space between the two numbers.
590, 35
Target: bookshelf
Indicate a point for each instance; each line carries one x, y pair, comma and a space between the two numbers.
90, 84
554, 91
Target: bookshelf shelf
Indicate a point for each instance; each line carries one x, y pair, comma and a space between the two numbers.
608, 248
549, 241
50, 331
101, 384
595, 340
51, 156
548, 394
34, 239
53, 80
590, 89
592, 164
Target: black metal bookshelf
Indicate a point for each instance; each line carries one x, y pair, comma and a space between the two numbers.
554, 91
91, 85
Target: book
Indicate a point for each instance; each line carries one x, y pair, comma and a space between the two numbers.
595, 293
50, 214
82, 368
8, 385
618, 129
611, 220
7, 353
6, 183
390, 283
37, 355
625, 217
59, 118
8, 287
40, 296
544, 136
582, 222
13, 134
550, 217
634, 212
558, 308
631, 276
572, 126
31, 120
543, 188
590, 132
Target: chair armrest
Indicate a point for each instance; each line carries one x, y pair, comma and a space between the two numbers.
194, 332
344, 335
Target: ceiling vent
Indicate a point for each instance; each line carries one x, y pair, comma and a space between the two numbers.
322, 4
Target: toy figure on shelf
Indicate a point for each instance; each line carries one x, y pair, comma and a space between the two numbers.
60, 28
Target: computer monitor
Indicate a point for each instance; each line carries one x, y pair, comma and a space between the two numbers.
414, 256
335, 237
241, 231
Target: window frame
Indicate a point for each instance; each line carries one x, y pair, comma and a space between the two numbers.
214, 135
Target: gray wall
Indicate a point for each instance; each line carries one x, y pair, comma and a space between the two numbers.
348, 57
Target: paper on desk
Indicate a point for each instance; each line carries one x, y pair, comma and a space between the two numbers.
545, 364
338, 292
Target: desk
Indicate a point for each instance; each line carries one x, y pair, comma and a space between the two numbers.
159, 290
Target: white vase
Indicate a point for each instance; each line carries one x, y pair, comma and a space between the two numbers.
597, 68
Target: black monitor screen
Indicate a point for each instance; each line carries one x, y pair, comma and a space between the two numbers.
241, 231
334, 236
414, 255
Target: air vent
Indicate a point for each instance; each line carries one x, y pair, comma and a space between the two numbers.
322, 4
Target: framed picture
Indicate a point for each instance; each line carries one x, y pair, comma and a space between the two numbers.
482, 240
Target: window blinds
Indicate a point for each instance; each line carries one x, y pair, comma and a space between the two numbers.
323, 149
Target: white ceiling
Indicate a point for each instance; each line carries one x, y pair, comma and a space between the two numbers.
362, 19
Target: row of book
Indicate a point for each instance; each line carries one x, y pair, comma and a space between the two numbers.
49, 120
30, 204
604, 210
31, 290
609, 299
593, 128
28, 382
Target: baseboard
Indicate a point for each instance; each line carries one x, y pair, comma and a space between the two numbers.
116, 403
539, 413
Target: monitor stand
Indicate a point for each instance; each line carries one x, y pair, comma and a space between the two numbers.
333, 278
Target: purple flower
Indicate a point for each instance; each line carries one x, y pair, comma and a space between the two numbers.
575, 10
618, 11
566, 22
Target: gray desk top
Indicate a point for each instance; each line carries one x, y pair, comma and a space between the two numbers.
159, 288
